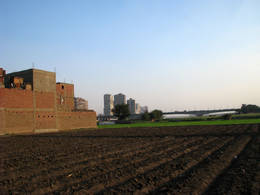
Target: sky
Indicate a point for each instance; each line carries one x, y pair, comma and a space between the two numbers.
168, 54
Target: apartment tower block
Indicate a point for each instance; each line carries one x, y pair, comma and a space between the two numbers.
108, 105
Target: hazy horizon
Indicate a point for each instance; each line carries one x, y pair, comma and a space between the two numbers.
168, 55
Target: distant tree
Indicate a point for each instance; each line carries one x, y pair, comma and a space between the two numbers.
146, 116
121, 111
243, 108
156, 115
249, 108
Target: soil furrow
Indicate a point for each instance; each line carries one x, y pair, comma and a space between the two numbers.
164, 171
133, 160
247, 167
71, 156
73, 149
199, 177
72, 165
129, 166
126, 173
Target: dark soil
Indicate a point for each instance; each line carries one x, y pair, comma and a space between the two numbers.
173, 160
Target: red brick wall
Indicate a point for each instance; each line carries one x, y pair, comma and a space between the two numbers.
2, 122
67, 104
23, 121
16, 98
45, 120
45, 100
75, 120
66, 91
18, 122
17, 111
17, 116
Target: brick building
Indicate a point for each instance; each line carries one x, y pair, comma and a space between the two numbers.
31, 101
80, 104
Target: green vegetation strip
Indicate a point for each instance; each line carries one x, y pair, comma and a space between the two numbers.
183, 123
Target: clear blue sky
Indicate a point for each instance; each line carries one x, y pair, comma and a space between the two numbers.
168, 54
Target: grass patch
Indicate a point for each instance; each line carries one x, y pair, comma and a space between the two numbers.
183, 123
246, 116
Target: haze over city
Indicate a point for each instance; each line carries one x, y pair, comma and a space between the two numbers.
169, 55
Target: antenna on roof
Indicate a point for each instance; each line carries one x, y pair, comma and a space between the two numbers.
33, 65
64, 80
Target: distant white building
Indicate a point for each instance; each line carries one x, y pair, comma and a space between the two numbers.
137, 108
119, 99
80, 103
108, 105
131, 106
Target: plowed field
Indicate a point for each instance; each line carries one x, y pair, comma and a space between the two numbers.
174, 160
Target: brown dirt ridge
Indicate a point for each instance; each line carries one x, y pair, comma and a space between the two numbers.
159, 160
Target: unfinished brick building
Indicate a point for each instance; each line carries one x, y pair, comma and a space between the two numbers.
31, 101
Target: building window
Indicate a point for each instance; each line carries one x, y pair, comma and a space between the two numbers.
62, 86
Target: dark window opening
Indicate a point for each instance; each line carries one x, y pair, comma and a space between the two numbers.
62, 86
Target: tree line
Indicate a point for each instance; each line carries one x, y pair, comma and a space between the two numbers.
122, 112
249, 108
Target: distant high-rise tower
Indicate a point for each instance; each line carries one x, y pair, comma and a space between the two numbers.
108, 105
131, 105
137, 108
119, 99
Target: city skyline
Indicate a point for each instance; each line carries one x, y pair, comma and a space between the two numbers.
110, 101
168, 55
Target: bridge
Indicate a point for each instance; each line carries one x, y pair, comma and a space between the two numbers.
193, 112
202, 112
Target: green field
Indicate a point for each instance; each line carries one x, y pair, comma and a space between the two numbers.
184, 123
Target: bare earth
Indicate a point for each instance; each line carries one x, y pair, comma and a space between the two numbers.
173, 160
